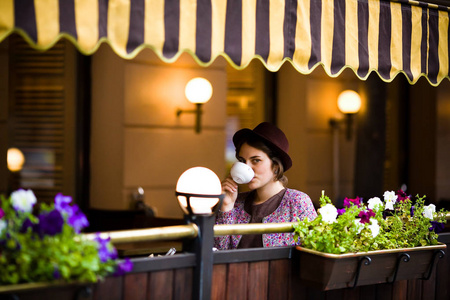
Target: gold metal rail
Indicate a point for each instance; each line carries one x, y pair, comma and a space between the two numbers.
253, 228
149, 235
191, 231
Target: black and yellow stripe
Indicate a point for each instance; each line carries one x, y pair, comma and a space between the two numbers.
387, 37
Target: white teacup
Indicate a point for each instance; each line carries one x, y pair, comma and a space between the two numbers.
241, 173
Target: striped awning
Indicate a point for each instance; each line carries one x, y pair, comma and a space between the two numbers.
387, 37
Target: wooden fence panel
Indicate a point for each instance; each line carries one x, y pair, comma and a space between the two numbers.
279, 279
400, 290
219, 282
135, 286
258, 280
160, 285
414, 289
183, 284
237, 281
109, 289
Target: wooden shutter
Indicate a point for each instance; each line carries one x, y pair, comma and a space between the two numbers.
41, 117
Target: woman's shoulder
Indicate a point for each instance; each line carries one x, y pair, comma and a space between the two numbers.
295, 195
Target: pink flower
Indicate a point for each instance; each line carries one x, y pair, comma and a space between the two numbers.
402, 196
349, 202
366, 215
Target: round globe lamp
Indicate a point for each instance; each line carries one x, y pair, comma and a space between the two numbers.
349, 102
198, 90
199, 191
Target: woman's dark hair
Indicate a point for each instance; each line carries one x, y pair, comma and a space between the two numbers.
277, 165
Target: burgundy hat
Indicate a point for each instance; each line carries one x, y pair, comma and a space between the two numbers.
272, 136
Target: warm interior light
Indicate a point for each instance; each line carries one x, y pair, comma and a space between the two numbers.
349, 102
198, 90
199, 181
15, 159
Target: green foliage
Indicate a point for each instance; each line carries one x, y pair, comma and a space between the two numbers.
35, 249
398, 228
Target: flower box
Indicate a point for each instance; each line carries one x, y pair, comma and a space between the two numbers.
326, 271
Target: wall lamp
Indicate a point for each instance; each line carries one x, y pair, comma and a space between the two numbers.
15, 159
349, 103
198, 91
199, 193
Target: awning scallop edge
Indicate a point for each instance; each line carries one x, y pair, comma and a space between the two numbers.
385, 37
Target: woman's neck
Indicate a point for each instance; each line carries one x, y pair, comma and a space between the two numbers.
266, 192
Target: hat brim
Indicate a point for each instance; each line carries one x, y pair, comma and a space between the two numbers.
244, 133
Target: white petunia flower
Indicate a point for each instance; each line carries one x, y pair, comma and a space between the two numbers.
374, 202
23, 200
429, 210
329, 213
374, 227
2, 225
390, 198
358, 224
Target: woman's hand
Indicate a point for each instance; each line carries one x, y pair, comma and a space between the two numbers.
230, 188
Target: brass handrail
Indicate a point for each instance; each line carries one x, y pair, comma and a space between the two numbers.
253, 228
148, 235
190, 231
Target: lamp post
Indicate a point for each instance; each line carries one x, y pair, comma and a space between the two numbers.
199, 194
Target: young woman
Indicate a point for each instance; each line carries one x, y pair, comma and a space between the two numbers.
265, 150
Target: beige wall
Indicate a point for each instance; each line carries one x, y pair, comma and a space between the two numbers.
137, 139
306, 104
443, 142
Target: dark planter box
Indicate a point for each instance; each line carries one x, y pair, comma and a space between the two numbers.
326, 271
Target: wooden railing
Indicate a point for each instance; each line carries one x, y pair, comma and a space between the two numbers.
261, 273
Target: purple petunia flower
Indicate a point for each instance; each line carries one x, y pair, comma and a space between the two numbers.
77, 219
25, 225
50, 223
349, 202
365, 216
105, 250
436, 226
412, 211
62, 203
123, 267
340, 211
75, 216
2, 213
56, 273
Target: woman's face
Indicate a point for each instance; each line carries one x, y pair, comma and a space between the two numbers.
261, 164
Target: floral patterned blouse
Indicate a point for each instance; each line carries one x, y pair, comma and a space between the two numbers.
295, 204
